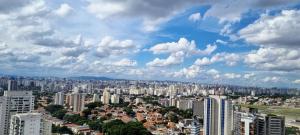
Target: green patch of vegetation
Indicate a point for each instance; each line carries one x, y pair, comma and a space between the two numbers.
129, 111
114, 127
95, 125
93, 105
183, 113
75, 118
61, 130
60, 113
57, 111
117, 127
173, 117
151, 100
292, 130
53, 108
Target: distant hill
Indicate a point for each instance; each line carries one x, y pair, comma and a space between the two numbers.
91, 78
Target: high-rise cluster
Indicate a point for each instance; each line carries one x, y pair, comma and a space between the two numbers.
221, 117
17, 117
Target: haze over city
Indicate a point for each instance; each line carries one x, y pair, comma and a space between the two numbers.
251, 43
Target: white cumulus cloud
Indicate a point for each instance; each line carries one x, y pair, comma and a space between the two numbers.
230, 59
232, 75
249, 75
274, 59
109, 46
173, 59
271, 79
64, 10
296, 81
195, 17
275, 30
178, 51
189, 72
125, 62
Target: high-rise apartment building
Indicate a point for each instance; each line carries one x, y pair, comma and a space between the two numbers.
275, 125
270, 125
29, 124
12, 85
252, 123
172, 91
248, 124
25, 124
198, 108
105, 97
13, 102
76, 101
261, 124
217, 115
184, 104
59, 98
46, 127
195, 127
237, 116
96, 97
173, 101
115, 99
244, 123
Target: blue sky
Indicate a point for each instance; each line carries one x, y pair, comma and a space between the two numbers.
242, 42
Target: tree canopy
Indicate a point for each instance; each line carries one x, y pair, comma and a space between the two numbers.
93, 105
57, 111
53, 108
117, 127
61, 130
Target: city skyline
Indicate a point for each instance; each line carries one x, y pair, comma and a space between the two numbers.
247, 43
42, 106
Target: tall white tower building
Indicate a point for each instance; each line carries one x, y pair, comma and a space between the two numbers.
59, 98
46, 127
217, 115
105, 97
115, 99
172, 91
29, 124
25, 124
78, 101
12, 85
13, 102
195, 127
96, 98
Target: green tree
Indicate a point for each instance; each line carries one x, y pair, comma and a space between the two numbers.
87, 112
117, 127
53, 108
93, 105
56, 111
61, 130
95, 125
135, 128
128, 111
173, 117
108, 126
103, 118
186, 113
292, 130
77, 119
59, 114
